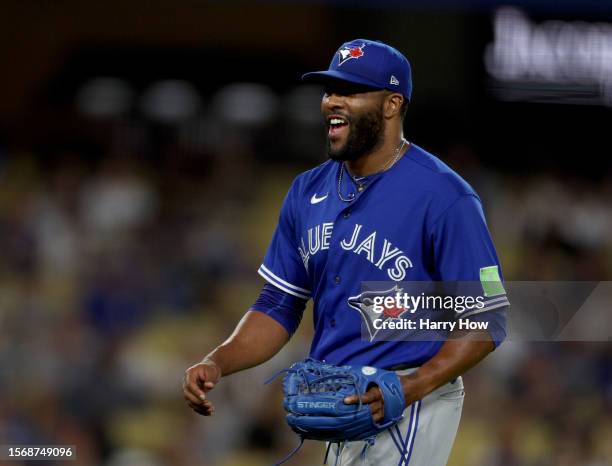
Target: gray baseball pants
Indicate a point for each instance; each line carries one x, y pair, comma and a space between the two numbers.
424, 437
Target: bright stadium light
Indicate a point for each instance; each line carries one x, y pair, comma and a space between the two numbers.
104, 97
171, 101
248, 104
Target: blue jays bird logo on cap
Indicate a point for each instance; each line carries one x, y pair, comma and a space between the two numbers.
347, 53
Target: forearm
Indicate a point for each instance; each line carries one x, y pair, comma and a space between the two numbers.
455, 357
256, 339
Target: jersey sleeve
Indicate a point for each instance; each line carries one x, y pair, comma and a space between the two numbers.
286, 309
496, 323
283, 266
463, 253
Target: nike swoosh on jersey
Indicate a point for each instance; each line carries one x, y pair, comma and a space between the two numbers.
315, 200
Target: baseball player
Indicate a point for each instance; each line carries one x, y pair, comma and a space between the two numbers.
380, 209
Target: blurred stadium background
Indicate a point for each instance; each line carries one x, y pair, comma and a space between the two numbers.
145, 148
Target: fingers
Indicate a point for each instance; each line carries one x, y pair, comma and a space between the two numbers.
191, 398
206, 409
378, 411
195, 401
191, 387
196, 382
372, 395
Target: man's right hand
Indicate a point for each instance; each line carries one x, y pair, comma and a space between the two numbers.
198, 381
256, 339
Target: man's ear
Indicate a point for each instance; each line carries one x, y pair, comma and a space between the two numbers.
393, 105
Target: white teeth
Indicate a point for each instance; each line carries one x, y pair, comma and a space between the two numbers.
336, 121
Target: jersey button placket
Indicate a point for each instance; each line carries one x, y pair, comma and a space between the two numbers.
337, 280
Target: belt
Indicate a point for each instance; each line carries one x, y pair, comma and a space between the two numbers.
403, 367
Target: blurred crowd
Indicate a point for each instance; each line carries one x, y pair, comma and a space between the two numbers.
119, 270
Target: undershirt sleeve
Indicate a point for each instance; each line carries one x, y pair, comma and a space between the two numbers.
283, 307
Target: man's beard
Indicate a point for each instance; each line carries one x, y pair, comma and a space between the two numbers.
365, 134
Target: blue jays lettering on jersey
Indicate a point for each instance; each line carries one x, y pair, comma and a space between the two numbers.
417, 221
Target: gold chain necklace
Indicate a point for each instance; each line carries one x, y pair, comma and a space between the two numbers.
361, 186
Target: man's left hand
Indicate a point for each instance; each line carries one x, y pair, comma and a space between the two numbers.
372, 397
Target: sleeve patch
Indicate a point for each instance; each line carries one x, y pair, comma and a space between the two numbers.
491, 282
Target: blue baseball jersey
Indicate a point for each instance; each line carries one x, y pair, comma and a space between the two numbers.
417, 221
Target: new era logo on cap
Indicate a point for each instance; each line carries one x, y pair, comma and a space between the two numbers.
369, 63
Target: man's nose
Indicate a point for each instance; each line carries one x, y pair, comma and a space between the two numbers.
333, 100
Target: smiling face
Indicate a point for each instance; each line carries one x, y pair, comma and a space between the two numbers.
354, 118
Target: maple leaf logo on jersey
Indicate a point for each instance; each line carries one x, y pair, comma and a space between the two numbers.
349, 53
364, 304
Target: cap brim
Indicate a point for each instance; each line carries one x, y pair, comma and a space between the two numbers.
331, 76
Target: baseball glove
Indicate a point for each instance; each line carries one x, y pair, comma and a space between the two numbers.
314, 400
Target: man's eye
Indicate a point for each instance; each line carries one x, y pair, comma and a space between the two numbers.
342, 92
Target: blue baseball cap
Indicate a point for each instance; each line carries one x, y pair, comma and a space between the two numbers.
369, 63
